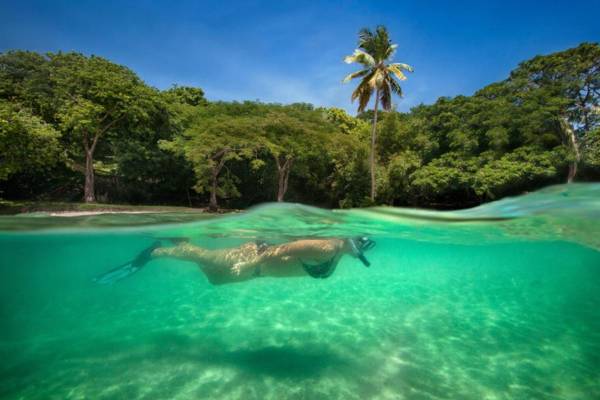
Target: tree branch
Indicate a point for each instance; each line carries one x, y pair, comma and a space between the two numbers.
221, 154
86, 145
101, 131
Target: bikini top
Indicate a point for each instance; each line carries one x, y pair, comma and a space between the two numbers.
322, 270
319, 271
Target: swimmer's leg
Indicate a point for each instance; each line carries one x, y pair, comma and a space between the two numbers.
129, 268
174, 239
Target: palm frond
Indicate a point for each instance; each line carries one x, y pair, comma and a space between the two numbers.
374, 51
382, 43
357, 74
356, 93
363, 92
364, 97
382, 33
395, 86
377, 79
363, 86
396, 72
360, 57
385, 97
402, 66
364, 35
366, 40
391, 50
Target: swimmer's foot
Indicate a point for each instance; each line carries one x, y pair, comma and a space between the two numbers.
129, 268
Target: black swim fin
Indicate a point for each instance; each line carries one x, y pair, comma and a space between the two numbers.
129, 268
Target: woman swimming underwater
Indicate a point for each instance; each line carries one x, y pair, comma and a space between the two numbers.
317, 258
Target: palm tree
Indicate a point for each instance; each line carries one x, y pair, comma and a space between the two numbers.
374, 52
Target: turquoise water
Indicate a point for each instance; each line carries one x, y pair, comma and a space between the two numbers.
497, 302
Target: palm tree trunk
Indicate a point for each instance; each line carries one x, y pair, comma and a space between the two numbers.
373, 135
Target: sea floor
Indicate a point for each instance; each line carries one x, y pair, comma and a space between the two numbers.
506, 321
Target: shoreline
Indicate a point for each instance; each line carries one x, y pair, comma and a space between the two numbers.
67, 209
91, 213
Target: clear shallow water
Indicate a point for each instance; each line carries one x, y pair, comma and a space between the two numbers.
497, 302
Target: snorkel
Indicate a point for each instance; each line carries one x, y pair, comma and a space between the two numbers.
359, 245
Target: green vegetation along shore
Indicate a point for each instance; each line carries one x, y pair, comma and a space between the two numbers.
76, 127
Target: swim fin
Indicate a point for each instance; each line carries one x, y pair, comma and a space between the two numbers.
129, 268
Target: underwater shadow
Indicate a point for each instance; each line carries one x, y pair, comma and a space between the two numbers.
283, 362
297, 362
64, 360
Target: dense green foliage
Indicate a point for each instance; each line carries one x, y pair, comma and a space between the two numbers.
26, 141
66, 119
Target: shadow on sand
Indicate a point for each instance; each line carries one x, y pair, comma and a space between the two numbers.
296, 362
63, 363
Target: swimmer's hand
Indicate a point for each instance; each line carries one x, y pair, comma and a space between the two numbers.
237, 267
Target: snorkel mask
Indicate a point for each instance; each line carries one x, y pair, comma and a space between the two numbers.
359, 245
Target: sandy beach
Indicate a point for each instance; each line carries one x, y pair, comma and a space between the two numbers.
88, 213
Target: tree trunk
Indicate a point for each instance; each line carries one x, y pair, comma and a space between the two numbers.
187, 192
572, 140
283, 175
88, 189
373, 135
213, 205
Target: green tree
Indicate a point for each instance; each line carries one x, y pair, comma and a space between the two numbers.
517, 171
216, 135
374, 52
569, 81
345, 123
98, 100
189, 95
25, 79
145, 173
511, 136
591, 150
27, 143
347, 151
291, 134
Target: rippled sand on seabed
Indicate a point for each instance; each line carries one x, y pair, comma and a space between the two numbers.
498, 302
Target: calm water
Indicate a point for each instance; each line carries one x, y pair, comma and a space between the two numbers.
497, 302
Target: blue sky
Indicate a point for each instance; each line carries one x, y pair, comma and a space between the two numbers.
291, 51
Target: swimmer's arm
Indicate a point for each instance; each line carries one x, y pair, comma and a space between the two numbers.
308, 249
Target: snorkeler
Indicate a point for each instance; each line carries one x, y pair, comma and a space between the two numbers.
317, 258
